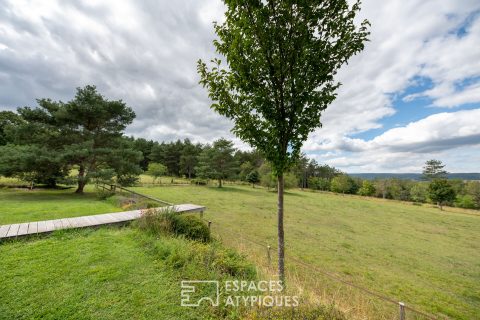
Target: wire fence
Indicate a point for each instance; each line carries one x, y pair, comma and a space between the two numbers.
359, 302
318, 284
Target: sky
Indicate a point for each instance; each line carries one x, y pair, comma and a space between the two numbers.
412, 95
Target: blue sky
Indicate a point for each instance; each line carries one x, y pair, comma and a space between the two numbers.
413, 94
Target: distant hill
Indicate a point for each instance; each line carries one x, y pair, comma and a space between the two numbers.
413, 176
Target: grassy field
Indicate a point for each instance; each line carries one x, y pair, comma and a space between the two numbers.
107, 273
417, 254
23, 205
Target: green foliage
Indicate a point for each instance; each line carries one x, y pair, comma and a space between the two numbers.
473, 189
189, 158
199, 182
433, 169
31, 163
465, 201
103, 194
8, 119
319, 183
165, 221
419, 192
281, 68
253, 177
342, 184
217, 162
367, 189
440, 191
85, 132
156, 170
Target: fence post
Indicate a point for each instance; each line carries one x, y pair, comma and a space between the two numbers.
268, 255
209, 225
402, 310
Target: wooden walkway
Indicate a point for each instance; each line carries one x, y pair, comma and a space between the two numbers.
38, 227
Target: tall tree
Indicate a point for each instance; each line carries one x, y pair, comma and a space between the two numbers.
7, 119
86, 132
217, 162
189, 158
282, 57
434, 169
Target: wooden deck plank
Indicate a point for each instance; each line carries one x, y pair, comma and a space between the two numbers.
32, 227
58, 224
12, 232
42, 227
49, 226
65, 223
4, 230
22, 229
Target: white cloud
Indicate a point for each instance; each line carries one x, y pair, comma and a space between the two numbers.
403, 148
146, 52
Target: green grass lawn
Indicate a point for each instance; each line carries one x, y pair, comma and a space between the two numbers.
417, 254
23, 205
107, 273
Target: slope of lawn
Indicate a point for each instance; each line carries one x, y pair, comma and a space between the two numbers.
417, 254
107, 273
23, 205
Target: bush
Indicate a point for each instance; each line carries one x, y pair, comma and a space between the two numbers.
465, 201
317, 183
367, 189
199, 182
168, 221
103, 194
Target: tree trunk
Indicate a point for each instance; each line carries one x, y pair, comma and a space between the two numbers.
81, 179
281, 236
219, 183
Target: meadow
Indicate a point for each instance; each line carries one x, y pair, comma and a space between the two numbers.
417, 254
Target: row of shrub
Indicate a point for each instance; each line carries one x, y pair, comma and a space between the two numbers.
466, 194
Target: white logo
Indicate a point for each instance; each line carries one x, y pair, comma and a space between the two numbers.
194, 292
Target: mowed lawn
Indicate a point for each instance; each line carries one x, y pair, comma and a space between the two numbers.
23, 205
107, 273
417, 254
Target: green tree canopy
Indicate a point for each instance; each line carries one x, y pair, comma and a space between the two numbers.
217, 162
86, 132
441, 192
156, 170
434, 169
253, 177
282, 57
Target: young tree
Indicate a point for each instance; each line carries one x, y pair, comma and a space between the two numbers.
441, 192
156, 170
419, 192
367, 189
342, 184
282, 57
253, 177
217, 162
433, 169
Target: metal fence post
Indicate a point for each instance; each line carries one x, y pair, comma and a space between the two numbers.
209, 225
402, 310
